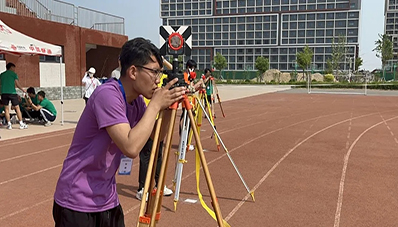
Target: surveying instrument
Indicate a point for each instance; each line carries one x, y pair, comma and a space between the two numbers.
149, 213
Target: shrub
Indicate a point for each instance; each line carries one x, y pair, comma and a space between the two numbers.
329, 78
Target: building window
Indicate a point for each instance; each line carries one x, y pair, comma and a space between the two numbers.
2, 57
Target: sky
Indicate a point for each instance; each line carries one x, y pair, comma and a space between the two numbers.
142, 19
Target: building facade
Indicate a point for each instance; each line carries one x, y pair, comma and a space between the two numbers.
391, 24
93, 39
242, 30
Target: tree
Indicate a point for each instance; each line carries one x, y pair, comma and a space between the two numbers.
262, 65
384, 48
304, 58
358, 63
220, 62
338, 53
329, 67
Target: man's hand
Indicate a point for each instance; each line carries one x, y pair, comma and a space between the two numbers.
163, 97
199, 85
29, 100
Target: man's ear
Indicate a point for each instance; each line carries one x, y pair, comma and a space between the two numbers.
132, 72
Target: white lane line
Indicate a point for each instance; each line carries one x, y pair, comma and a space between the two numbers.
247, 142
33, 153
25, 209
349, 133
240, 204
30, 174
344, 172
35, 139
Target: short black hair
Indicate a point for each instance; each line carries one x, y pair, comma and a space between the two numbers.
206, 70
42, 94
9, 65
190, 63
1, 103
31, 90
138, 51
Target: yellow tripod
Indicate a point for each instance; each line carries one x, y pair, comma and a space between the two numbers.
183, 147
199, 115
149, 213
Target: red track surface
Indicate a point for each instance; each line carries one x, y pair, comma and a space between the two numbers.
314, 160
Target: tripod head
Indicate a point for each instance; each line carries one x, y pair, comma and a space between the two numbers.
175, 72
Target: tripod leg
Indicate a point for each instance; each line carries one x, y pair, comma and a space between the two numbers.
182, 148
230, 158
157, 204
218, 98
211, 120
197, 109
216, 206
212, 99
143, 219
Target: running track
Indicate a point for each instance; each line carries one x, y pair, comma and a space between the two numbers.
314, 160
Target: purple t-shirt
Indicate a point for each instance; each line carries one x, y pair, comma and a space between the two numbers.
87, 181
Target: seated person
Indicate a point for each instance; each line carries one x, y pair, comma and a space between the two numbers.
23, 105
29, 112
45, 107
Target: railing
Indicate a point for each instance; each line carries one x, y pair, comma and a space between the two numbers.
66, 13
61, 12
36, 7
109, 27
102, 21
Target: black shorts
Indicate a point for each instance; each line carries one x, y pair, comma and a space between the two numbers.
64, 217
6, 98
209, 99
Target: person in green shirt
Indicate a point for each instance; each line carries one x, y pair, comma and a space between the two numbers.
45, 107
209, 85
29, 112
8, 81
32, 95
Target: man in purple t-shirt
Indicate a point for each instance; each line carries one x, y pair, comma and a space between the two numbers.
115, 121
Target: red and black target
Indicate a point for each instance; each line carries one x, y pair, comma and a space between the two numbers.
176, 42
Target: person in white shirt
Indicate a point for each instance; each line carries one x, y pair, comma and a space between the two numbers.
116, 72
90, 83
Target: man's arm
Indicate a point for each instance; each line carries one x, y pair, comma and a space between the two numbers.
84, 80
131, 140
19, 86
34, 107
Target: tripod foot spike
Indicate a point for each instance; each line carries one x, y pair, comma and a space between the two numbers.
175, 205
252, 194
218, 147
